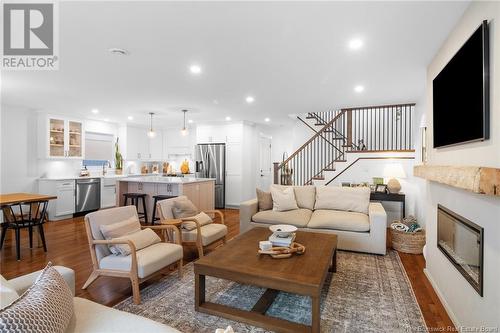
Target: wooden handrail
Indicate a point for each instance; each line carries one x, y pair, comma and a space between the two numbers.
311, 139
310, 127
378, 106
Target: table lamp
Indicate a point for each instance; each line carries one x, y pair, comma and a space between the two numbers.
394, 171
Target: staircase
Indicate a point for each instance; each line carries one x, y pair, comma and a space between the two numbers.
367, 130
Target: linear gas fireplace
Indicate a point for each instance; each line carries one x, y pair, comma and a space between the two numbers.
462, 243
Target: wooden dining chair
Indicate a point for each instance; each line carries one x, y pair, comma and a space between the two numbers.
24, 215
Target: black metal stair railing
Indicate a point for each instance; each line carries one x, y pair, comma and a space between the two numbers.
360, 129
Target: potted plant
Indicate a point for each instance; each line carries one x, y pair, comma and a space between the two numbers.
118, 159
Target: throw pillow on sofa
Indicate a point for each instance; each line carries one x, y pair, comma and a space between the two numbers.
353, 199
283, 199
305, 196
264, 200
47, 306
7, 293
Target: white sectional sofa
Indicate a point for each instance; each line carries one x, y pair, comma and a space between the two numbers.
347, 212
91, 317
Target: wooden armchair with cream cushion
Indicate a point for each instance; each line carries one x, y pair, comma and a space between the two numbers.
121, 247
196, 228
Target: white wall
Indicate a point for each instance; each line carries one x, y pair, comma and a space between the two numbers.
288, 138
465, 306
19, 167
364, 170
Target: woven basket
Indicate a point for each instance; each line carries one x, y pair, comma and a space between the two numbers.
408, 242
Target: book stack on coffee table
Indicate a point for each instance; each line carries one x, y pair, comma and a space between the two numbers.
282, 241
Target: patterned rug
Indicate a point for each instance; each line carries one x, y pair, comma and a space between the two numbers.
369, 293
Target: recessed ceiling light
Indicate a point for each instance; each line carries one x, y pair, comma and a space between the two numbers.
106, 119
215, 101
228, 118
118, 51
267, 120
195, 69
250, 99
190, 121
359, 89
95, 111
355, 44
130, 118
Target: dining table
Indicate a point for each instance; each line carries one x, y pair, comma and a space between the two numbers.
23, 197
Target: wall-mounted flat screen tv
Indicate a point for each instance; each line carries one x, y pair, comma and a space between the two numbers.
461, 94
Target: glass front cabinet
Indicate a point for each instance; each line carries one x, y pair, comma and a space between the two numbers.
61, 138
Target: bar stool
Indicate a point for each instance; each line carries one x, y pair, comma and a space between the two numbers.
157, 198
134, 200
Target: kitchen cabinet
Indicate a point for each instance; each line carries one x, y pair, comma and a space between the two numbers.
108, 193
64, 206
175, 144
60, 138
155, 146
136, 145
211, 134
65, 203
168, 189
201, 194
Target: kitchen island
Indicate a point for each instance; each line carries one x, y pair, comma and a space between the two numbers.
201, 191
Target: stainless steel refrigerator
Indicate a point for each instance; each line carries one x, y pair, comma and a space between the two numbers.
211, 163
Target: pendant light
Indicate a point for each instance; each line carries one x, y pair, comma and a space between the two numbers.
184, 130
151, 132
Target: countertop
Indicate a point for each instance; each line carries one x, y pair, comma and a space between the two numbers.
111, 176
166, 180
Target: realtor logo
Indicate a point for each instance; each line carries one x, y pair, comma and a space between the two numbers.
29, 36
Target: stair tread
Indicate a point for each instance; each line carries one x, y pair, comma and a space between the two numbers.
318, 178
329, 169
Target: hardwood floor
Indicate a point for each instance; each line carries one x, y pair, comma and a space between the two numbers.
68, 246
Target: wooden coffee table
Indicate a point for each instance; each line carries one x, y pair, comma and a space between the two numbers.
301, 274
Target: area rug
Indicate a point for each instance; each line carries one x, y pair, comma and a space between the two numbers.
369, 293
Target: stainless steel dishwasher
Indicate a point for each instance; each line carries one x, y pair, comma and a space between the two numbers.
88, 194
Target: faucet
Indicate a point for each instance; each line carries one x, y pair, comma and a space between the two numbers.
104, 171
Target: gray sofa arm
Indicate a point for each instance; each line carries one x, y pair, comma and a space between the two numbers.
247, 210
378, 226
22, 283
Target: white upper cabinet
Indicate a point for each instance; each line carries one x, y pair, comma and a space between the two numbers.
219, 133
156, 147
136, 145
135, 140
60, 138
176, 144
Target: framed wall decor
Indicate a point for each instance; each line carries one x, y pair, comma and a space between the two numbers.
381, 188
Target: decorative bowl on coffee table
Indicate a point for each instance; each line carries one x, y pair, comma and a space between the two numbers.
283, 230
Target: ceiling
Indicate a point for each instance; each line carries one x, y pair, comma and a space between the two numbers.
293, 57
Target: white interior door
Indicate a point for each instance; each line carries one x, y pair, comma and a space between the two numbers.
265, 164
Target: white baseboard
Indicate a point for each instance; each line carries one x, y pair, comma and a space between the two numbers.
230, 206
446, 306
